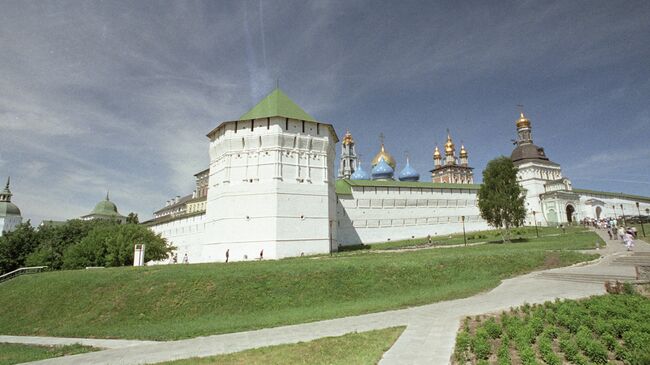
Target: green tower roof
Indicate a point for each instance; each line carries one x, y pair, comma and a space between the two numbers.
277, 104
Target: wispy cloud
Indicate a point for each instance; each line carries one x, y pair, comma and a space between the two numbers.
119, 95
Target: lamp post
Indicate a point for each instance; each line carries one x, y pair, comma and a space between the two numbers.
614, 207
639, 209
462, 218
535, 221
623, 215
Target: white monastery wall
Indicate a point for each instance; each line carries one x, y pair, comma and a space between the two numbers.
186, 234
610, 206
380, 214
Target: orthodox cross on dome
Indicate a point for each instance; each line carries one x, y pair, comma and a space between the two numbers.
520, 107
381, 138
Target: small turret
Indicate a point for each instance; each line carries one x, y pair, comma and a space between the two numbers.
463, 156
437, 158
450, 150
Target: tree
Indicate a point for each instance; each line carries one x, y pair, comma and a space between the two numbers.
132, 218
54, 240
113, 246
500, 198
16, 245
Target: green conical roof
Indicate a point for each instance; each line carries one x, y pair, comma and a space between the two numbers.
277, 104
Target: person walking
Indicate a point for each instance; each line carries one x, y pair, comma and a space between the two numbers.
629, 240
621, 233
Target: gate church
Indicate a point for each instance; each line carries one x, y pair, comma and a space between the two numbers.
272, 191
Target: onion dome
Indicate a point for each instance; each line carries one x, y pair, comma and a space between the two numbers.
523, 122
449, 146
463, 151
408, 173
436, 154
385, 156
382, 170
360, 174
347, 139
7, 208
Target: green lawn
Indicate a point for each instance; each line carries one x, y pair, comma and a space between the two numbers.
354, 348
17, 353
181, 301
609, 329
472, 237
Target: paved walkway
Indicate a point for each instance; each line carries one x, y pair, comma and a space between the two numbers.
431, 329
59, 341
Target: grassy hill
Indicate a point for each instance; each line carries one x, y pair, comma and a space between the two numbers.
180, 301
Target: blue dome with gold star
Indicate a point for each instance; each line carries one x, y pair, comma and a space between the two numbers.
408, 173
382, 170
360, 174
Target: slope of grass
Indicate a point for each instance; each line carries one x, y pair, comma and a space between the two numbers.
17, 353
180, 301
353, 348
492, 236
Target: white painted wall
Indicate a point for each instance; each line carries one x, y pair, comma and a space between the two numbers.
271, 189
187, 235
390, 213
9, 223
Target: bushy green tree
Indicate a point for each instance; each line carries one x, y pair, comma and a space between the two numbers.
113, 246
132, 218
500, 198
54, 240
16, 245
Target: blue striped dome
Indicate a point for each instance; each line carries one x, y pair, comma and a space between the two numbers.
408, 173
382, 171
360, 174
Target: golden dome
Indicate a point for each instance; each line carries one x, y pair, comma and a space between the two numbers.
387, 157
436, 154
347, 139
449, 146
523, 122
463, 151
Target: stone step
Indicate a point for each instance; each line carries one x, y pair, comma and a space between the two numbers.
632, 260
584, 278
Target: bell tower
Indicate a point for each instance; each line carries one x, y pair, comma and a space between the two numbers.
349, 161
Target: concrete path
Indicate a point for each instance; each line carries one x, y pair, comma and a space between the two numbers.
431, 329
60, 341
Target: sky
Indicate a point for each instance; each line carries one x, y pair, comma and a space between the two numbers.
118, 96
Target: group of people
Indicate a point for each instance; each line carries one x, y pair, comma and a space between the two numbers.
173, 258
616, 232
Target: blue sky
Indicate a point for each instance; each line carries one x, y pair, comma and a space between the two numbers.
110, 95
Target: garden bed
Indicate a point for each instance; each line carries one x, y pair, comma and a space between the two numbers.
609, 329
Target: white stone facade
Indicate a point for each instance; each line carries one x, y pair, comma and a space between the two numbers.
9, 223
375, 213
271, 189
186, 234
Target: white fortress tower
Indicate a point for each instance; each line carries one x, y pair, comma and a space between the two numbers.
271, 185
